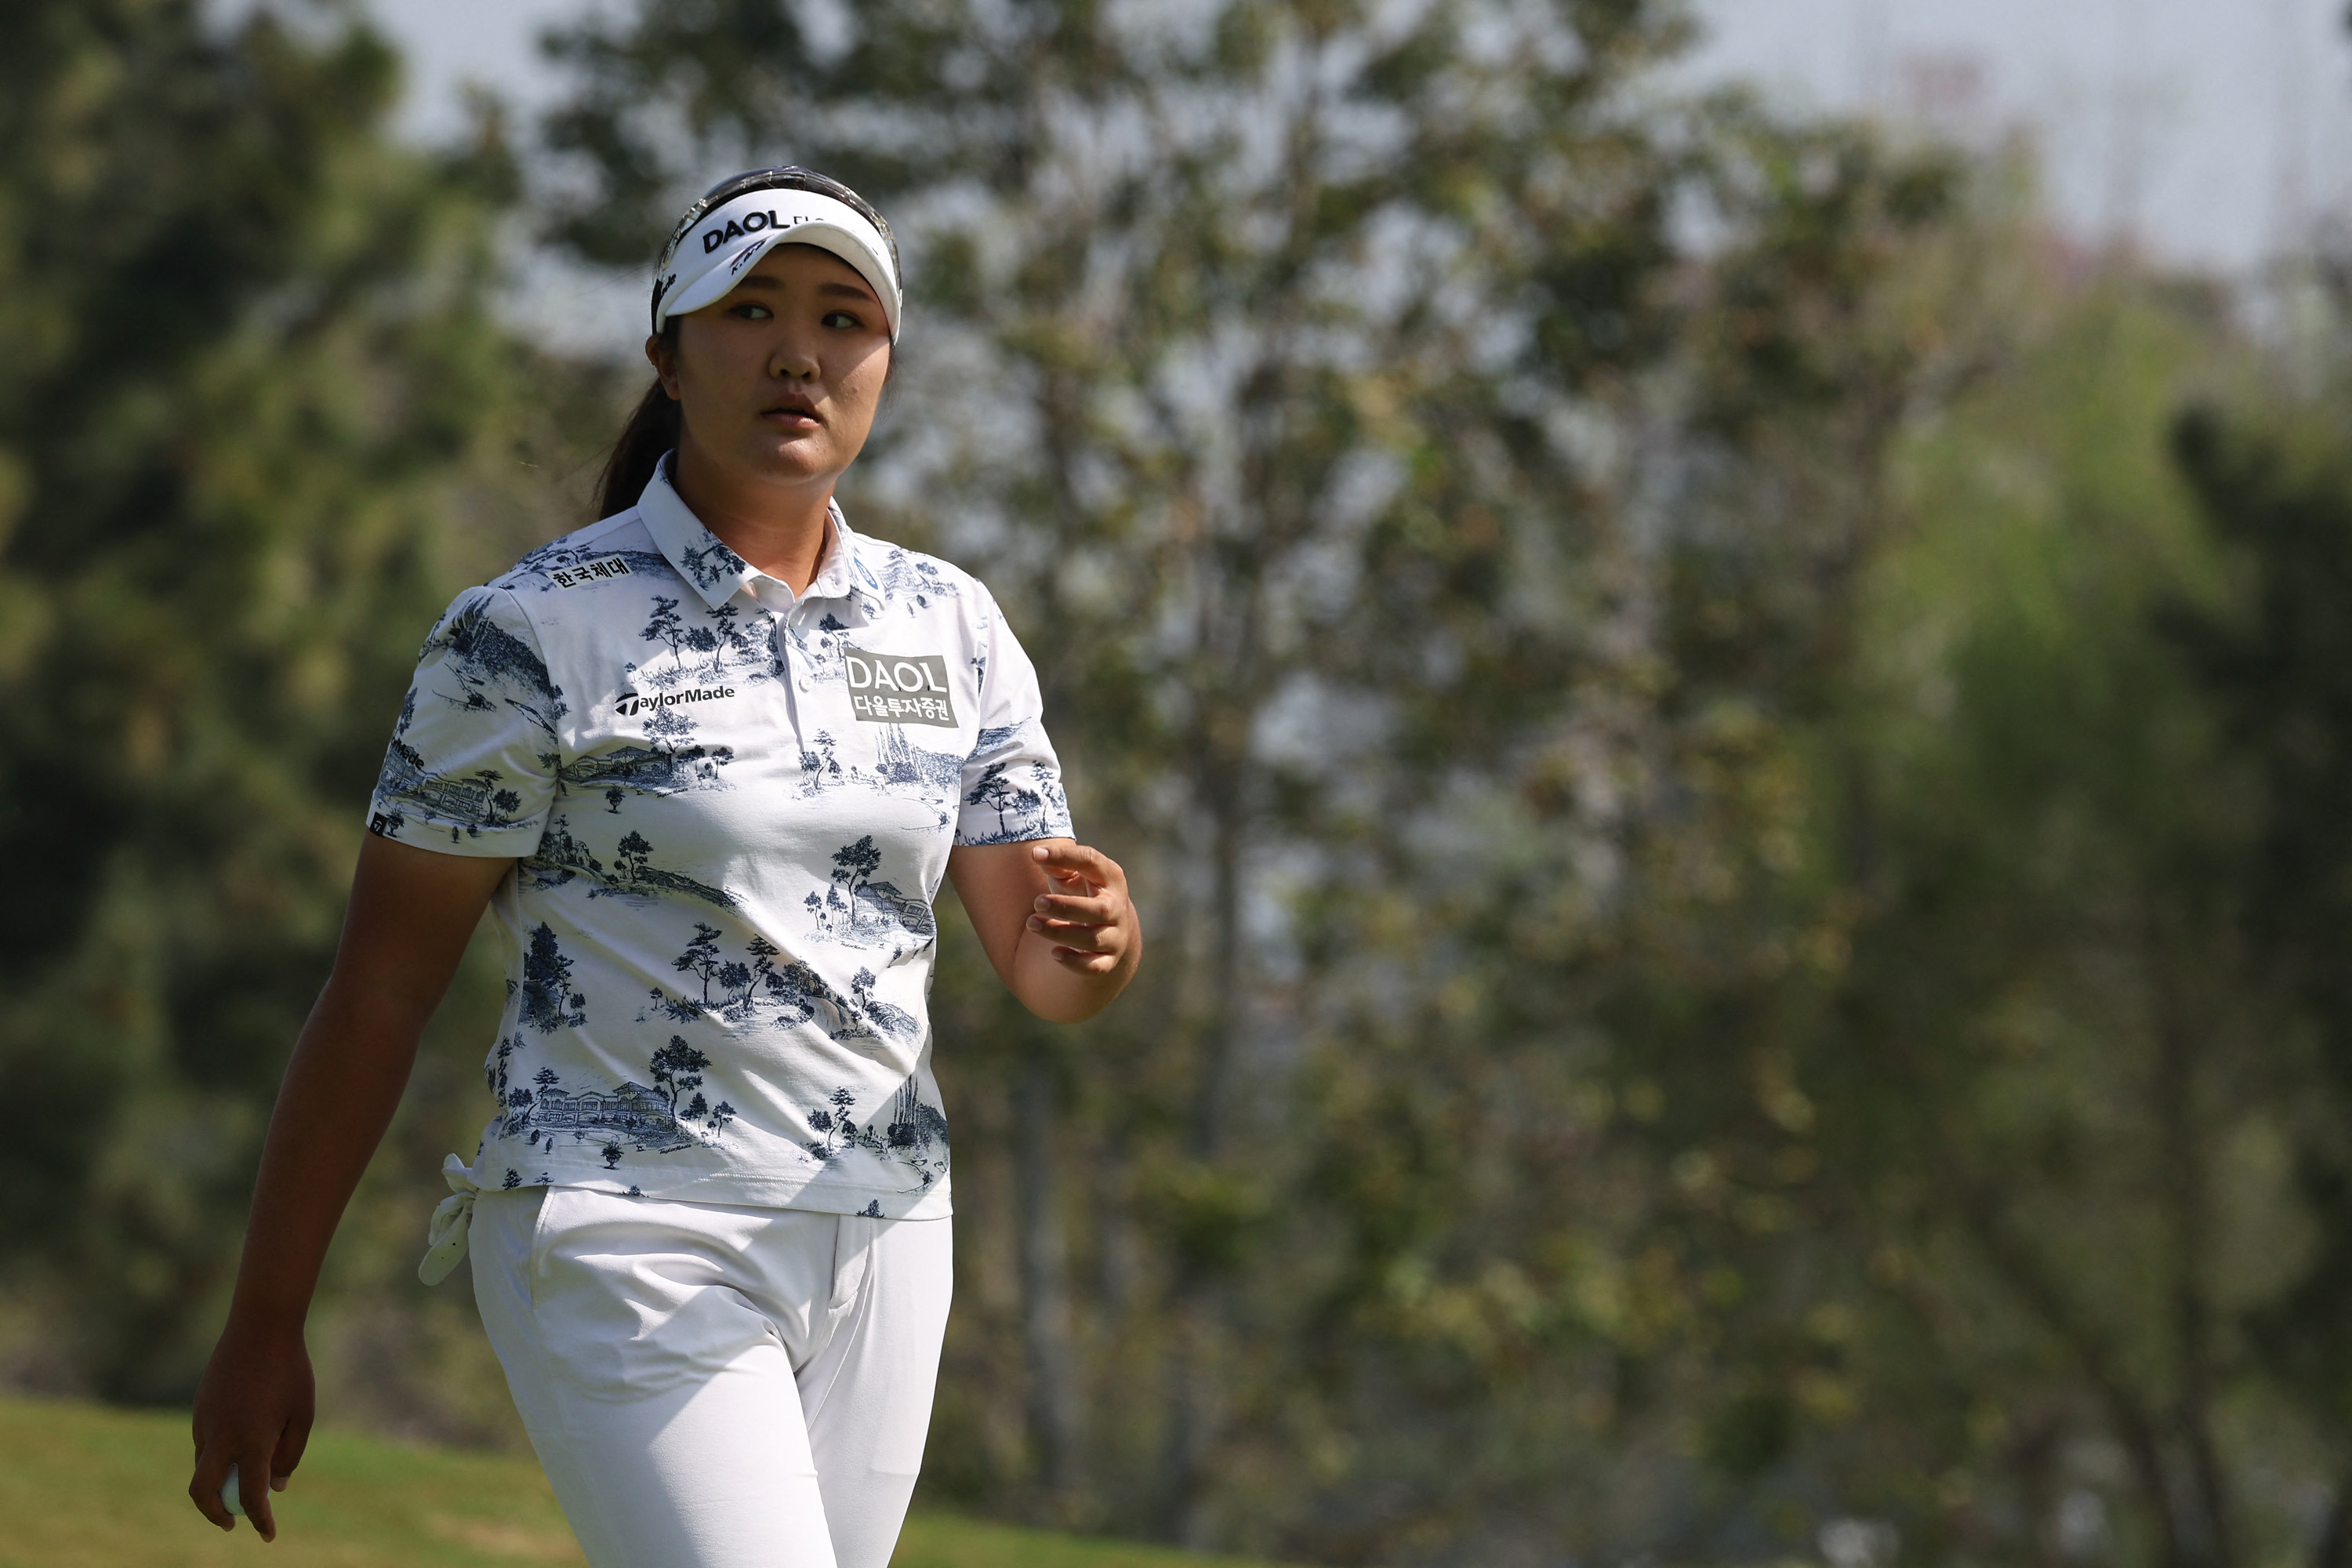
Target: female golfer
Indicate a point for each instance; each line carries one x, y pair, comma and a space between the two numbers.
706, 760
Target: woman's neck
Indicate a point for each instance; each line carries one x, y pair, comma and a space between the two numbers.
779, 529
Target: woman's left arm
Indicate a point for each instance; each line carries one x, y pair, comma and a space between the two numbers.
1055, 920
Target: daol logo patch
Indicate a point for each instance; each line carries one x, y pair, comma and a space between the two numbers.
900, 688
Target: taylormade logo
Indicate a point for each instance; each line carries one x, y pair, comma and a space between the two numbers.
632, 703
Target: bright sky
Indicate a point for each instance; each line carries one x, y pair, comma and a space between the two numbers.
2212, 130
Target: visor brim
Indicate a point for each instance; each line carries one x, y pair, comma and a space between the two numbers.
726, 272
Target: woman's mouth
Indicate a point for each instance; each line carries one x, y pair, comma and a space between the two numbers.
791, 416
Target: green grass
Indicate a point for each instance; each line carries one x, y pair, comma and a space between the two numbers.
87, 1487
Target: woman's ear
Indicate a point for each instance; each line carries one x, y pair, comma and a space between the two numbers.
661, 352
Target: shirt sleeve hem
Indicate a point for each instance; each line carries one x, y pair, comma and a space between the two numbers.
509, 841
995, 840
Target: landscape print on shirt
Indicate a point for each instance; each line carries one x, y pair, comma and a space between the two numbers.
669, 1115
711, 563
661, 768
913, 580
475, 667
491, 666
632, 875
715, 649
671, 1111
752, 990
711, 646
901, 769
1025, 796
856, 911
659, 1117
912, 1132
670, 762
819, 650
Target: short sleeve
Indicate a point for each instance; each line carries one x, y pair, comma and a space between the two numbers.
472, 766
1012, 782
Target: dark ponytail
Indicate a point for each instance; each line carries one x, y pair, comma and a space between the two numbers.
654, 424
653, 429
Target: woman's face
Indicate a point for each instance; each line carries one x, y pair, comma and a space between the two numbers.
778, 382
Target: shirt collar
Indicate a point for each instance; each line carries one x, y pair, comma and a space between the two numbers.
840, 574
719, 573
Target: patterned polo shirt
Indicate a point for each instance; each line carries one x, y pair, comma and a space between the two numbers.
730, 810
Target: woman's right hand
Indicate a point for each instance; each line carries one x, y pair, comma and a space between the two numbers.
411, 912
252, 1411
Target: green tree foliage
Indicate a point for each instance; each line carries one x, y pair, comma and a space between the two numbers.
250, 391
1591, 1261
2041, 1080
2278, 492
1981, 1148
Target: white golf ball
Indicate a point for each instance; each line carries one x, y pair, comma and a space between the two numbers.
229, 1499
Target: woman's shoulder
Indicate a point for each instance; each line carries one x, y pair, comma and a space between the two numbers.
616, 555
915, 581
606, 552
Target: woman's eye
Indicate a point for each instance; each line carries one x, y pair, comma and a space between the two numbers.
841, 319
749, 312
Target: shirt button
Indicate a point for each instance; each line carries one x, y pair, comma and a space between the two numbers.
804, 683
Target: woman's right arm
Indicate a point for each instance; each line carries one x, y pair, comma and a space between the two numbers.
412, 911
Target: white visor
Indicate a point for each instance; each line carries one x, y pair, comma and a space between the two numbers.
727, 242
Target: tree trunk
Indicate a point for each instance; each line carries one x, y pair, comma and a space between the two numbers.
1053, 1402
2205, 1537
1194, 1312
2335, 1546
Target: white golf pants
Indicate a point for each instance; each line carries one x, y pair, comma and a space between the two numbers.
711, 1386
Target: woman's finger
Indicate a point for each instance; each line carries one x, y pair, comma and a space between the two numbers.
204, 1489
1071, 933
1077, 860
291, 1444
253, 1495
1091, 910
1068, 929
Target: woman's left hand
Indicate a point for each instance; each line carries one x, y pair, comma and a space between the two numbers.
1087, 916
1057, 921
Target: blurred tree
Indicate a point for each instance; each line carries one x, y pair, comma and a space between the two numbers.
2274, 482
252, 397
1592, 1262
2004, 1253
2041, 1075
